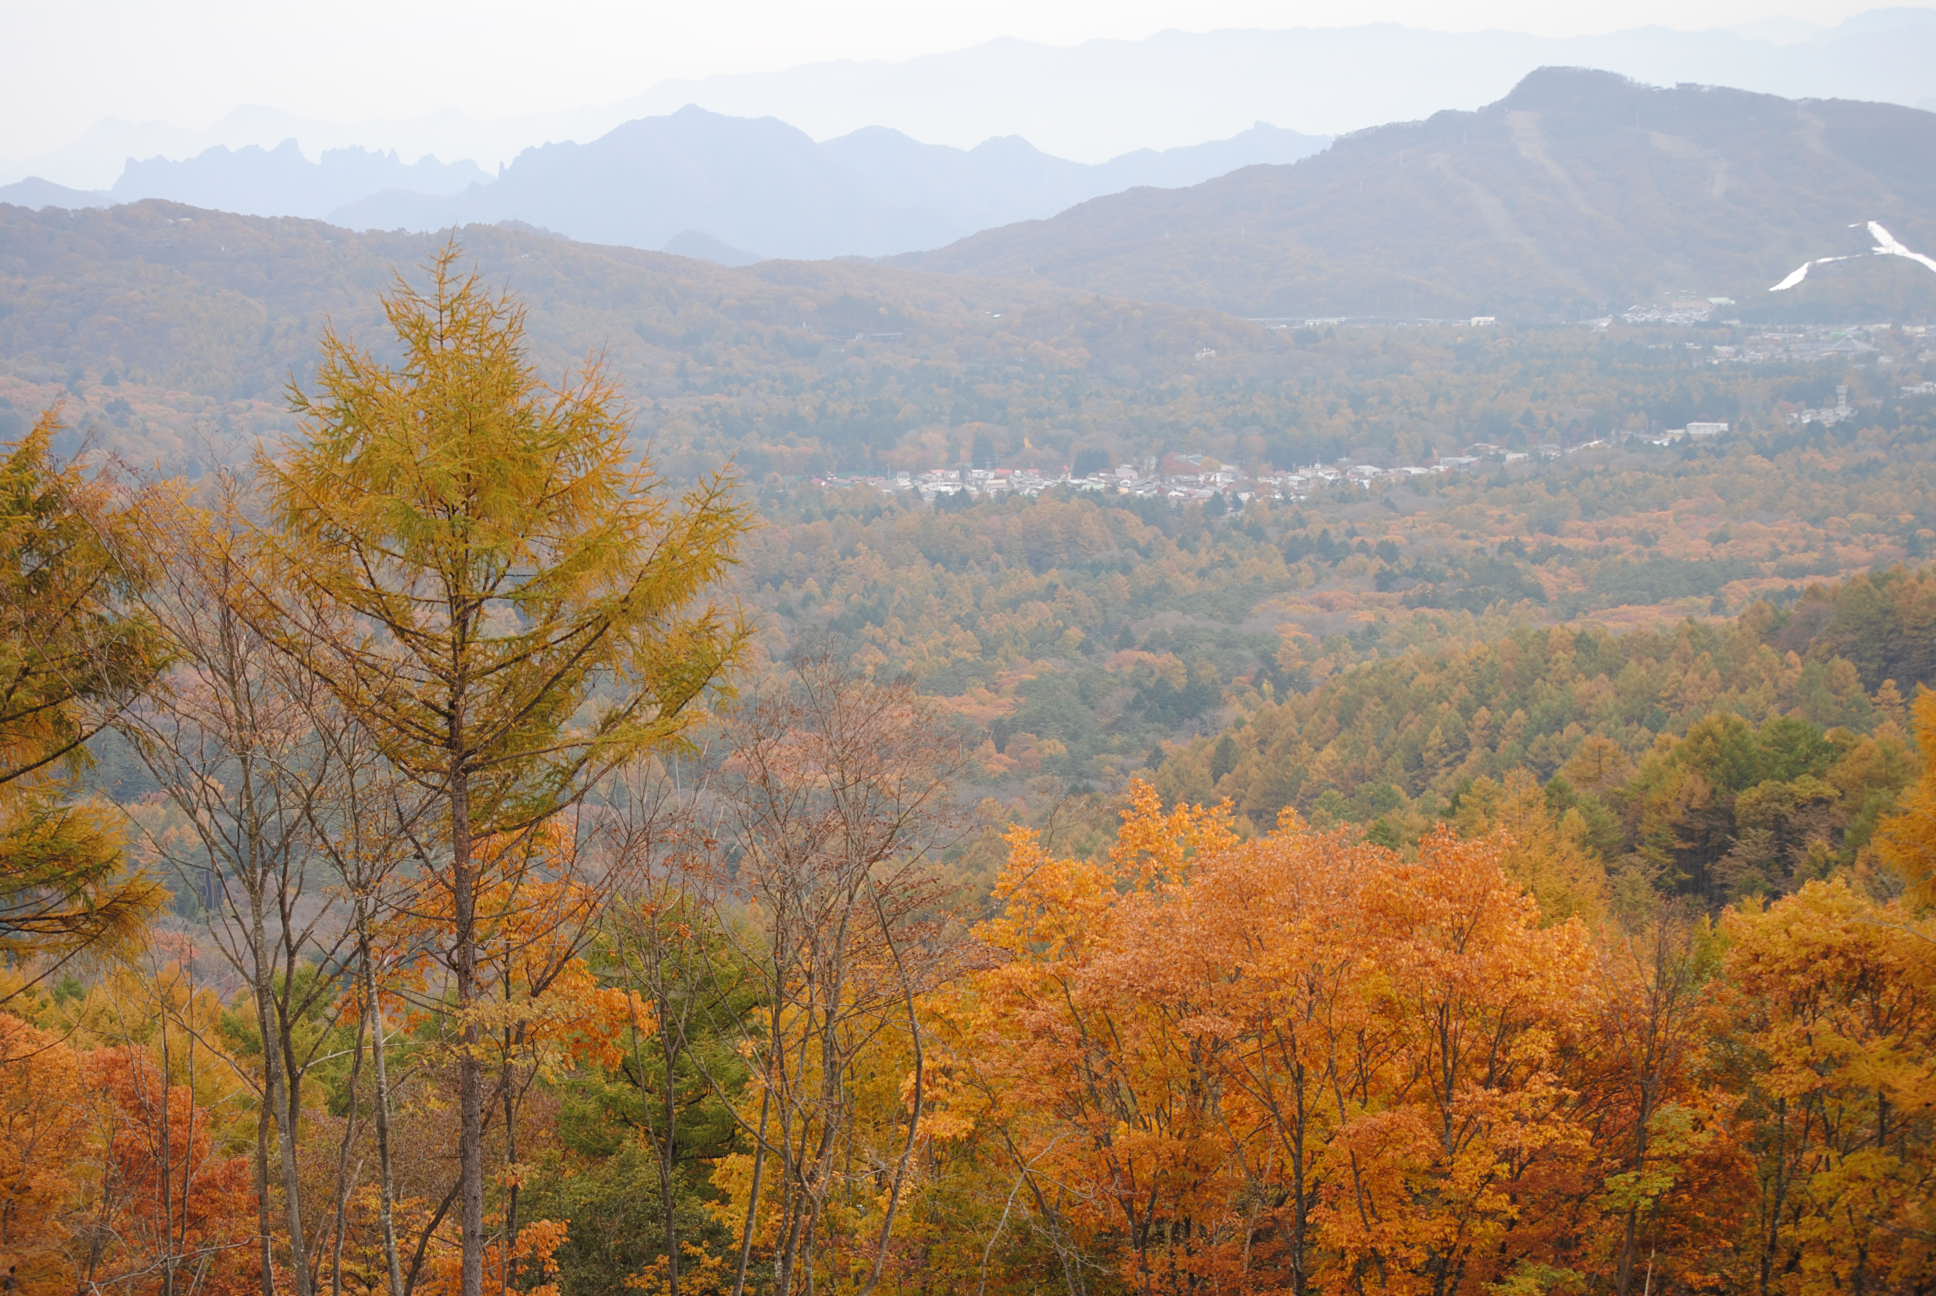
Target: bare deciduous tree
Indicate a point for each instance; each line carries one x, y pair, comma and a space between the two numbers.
834, 801
276, 799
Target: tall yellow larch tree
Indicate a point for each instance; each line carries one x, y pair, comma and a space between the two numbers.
527, 609
1546, 850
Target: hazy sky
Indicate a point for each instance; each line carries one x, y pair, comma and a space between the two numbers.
189, 62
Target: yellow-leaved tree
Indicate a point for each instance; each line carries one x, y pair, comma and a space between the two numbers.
1908, 841
527, 609
71, 654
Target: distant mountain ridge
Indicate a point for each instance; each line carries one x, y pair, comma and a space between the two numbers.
1577, 194
725, 189
764, 188
1099, 98
253, 181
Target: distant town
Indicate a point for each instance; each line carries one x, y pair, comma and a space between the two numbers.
1192, 478
1183, 478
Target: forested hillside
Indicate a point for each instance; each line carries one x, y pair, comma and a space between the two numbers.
199, 319
171, 333
1174, 1056
1727, 759
1085, 638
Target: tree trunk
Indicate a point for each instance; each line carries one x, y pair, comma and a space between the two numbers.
470, 1087
511, 1158
265, 1245
752, 1199
279, 1095
669, 1147
171, 1247
386, 1176
340, 1222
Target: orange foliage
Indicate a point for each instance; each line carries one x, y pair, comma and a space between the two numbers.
541, 999
174, 1201
43, 1126
534, 1268
1299, 1063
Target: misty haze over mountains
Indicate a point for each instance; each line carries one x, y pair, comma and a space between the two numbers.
724, 189
1102, 98
255, 181
764, 188
1577, 193
1580, 193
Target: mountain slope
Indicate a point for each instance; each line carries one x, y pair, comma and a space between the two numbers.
764, 186
1578, 193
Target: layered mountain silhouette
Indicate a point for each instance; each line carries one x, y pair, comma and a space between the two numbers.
761, 187
255, 181
1099, 98
1579, 193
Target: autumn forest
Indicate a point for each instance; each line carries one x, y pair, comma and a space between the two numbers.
446, 853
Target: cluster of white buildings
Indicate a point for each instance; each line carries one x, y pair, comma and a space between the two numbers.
1692, 432
1683, 310
1827, 415
1186, 478
1138, 481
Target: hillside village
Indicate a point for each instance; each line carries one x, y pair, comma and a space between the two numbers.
1184, 477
